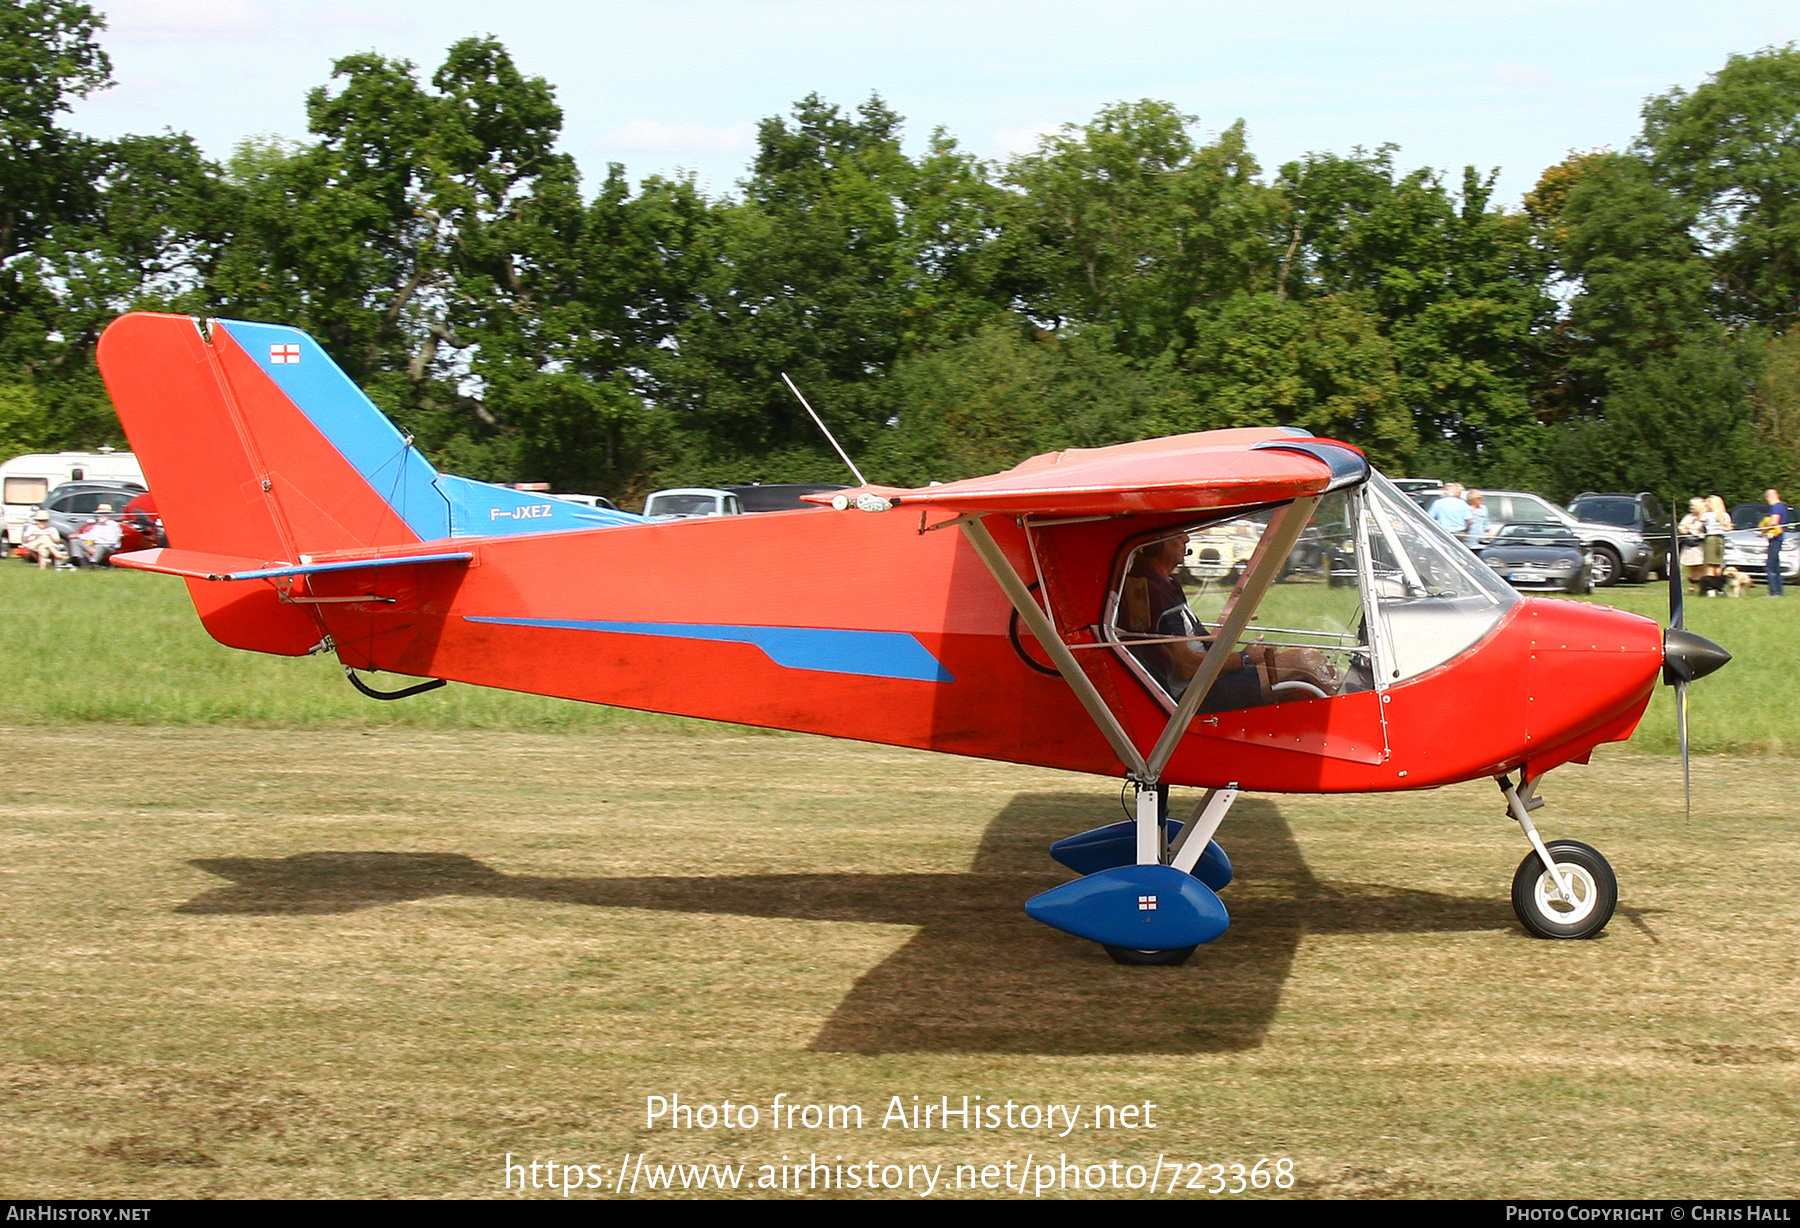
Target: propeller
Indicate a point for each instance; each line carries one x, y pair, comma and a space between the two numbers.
1686, 656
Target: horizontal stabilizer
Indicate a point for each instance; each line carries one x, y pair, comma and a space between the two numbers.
196, 565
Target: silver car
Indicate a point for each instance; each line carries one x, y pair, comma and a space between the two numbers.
1748, 550
1613, 553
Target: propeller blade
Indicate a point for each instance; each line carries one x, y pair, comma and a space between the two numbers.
1687, 780
1677, 590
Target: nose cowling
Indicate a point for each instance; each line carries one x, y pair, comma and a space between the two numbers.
1687, 656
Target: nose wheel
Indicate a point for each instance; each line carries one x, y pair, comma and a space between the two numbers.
1563, 889
1576, 902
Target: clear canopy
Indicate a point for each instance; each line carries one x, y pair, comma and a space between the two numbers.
1373, 592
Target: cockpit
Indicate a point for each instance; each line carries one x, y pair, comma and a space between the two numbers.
1372, 592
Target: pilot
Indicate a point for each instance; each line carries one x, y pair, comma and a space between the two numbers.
1154, 604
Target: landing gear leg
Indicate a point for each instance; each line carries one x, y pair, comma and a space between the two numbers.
1564, 889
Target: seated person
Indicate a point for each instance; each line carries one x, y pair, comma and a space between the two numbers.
42, 540
97, 542
1153, 603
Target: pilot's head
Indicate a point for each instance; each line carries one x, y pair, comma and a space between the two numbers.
1163, 557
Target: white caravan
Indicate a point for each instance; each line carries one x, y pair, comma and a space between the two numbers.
25, 480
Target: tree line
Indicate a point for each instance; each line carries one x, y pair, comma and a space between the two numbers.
1635, 325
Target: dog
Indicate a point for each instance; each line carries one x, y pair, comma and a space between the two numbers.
1737, 583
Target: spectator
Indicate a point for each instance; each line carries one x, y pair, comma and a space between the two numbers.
1692, 543
1718, 523
1450, 511
42, 539
1477, 531
97, 542
1774, 527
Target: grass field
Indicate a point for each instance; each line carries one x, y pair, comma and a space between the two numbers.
337, 962
268, 938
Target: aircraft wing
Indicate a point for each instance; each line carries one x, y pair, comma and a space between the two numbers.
1216, 469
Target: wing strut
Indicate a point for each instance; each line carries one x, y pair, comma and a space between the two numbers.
1032, 614
1277, 541
1283, 531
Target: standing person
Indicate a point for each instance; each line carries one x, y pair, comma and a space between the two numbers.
1692, 534
1718, 523
1774, 527
1477, 531
1450, 511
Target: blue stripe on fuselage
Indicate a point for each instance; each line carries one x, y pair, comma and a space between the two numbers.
872, 654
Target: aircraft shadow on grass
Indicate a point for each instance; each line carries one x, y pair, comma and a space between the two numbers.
979, 976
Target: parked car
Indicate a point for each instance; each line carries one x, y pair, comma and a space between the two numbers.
1423, 491
1221, 552
1539, 556
781, 496
599, 501
692, 502
1614, 552
1748, 550
1643, 513
75, 505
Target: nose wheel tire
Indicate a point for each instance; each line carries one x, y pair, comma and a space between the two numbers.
1149, 959
1541, 907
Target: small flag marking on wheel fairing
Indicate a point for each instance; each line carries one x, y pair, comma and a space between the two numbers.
284, 353
1146, 903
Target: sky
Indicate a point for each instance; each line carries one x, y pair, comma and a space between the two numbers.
677, 86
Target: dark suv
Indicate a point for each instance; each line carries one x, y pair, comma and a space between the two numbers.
1642, 513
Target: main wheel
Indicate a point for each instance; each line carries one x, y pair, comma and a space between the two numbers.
1604, 566
1149, 959
1544, 912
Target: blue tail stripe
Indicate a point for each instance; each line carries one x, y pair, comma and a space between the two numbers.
433, 505
355, 427
871, 654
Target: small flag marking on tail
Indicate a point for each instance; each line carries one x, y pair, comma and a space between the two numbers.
284, 353
1146, 903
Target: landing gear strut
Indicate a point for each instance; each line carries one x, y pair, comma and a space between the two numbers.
1563, 889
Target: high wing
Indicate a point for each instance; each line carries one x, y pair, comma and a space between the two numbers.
1198, 472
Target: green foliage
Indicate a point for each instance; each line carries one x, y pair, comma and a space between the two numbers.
843, 255
47, 57
1320, 363
1009, 391
945, 315
1731, 151
1680, 424
1133, 227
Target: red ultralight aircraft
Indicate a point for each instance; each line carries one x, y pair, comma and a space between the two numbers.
1237, 610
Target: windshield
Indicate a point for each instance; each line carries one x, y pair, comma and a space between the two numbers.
682, 505
1434, 597
1537, 535
1620, 512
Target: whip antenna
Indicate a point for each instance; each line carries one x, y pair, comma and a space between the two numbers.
829, 437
